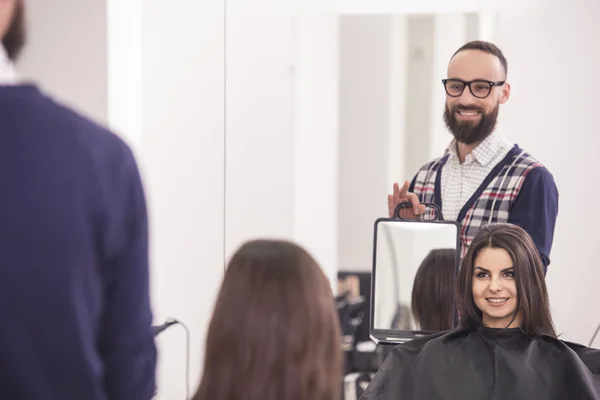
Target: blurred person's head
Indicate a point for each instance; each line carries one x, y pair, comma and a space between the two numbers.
12, 26
501, 283
275, 332
475, 87
432, 300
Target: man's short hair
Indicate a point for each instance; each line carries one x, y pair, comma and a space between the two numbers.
15, 37
486, 47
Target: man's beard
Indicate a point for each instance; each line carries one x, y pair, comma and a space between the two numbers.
15, 37
471, 132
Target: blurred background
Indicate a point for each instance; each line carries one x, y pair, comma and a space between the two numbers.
250, 119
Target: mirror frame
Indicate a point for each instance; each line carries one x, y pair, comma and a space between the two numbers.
393, 336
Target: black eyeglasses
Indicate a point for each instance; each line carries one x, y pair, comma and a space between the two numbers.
479, 88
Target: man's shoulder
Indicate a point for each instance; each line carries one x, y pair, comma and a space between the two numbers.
434, 164
522, 162
44, 122
87, 147
83, 127
425, 176
77, 131
46, 119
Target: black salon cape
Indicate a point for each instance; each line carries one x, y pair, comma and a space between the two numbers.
484, 363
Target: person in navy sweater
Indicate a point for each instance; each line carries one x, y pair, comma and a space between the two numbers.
482, 177
74, 279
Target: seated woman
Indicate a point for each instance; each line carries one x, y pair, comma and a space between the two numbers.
506, 347
274, 334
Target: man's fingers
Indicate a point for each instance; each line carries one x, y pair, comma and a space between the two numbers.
415, 203
396, 192
402, 192
402, 195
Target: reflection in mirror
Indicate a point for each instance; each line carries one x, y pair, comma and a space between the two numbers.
414, 271
433, 291
324, 114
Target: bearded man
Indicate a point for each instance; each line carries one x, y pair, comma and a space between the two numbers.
73, 248
482, 177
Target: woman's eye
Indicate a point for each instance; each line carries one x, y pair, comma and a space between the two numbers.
510, 274
481, 275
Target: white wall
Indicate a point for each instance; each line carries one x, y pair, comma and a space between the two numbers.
67, 52
183, 154
124, 61
553, 58
398, 116
316, 139
260, 124
282, 108
366, 72
417, 93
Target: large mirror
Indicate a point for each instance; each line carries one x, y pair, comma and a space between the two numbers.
324, 114
414, 269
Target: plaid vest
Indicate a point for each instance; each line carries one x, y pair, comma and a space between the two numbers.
490, 203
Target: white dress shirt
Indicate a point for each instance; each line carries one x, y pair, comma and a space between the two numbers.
460, 181
8, 75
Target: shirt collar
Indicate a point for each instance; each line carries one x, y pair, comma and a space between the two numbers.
484, 152
8, 76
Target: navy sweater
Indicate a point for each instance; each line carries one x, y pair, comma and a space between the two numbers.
534, 207
73, 257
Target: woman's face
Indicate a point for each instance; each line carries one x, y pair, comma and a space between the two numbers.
494, 288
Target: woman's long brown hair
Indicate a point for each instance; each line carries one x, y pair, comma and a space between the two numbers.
532, 295
274, 334
433, 291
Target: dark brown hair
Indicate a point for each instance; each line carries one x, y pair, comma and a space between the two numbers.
486, 47
15, 37
533, 304
274, 334
433, 291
